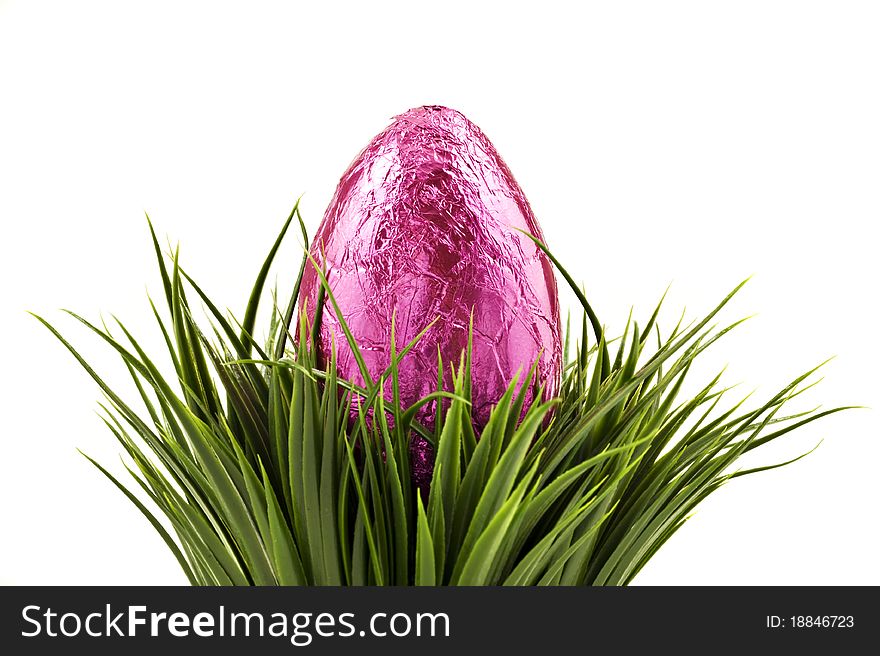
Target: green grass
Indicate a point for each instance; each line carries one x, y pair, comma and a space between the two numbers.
249, 467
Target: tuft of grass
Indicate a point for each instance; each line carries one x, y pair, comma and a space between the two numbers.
250, 467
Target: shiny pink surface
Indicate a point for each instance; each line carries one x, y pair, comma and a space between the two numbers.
422, 224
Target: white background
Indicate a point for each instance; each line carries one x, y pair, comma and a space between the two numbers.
687, 142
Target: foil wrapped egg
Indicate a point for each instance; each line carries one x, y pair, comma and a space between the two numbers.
423, 225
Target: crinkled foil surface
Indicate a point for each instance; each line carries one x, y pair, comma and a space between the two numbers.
422, 225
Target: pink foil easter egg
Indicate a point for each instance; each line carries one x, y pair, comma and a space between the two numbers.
423, 224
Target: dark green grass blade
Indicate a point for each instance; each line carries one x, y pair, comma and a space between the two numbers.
426, 573
582, 299
169, 541
250, 313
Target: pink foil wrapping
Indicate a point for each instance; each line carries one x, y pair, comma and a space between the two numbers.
422, 224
